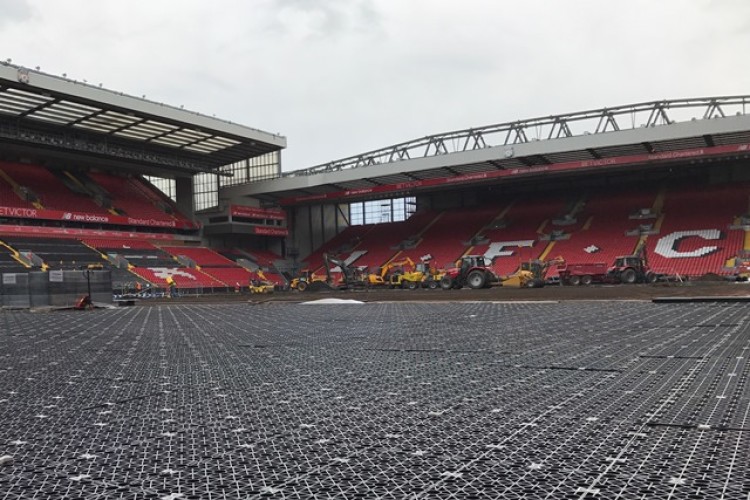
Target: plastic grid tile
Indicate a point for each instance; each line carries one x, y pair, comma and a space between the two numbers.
481, 400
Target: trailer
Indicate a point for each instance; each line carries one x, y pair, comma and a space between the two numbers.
627, 269
583, 274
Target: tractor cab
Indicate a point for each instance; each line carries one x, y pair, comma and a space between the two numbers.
629, 261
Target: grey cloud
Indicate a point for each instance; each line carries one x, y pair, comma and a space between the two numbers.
327, 18
14, 11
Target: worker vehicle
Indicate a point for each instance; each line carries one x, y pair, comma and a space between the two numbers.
741, 268
472, 271
530, 274
627, 269
631, 269
374, 279
431, 275
261, 284
403, 277
308, 281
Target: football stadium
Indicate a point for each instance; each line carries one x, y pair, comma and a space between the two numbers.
553, 307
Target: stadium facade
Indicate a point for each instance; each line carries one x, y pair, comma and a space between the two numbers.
80, 162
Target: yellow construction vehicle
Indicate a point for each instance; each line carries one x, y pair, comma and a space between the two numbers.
309, 281
530, 274
397, 275
431, 276
261, 284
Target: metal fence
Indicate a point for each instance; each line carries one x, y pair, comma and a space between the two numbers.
54, 288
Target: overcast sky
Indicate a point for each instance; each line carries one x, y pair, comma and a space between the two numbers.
341, 77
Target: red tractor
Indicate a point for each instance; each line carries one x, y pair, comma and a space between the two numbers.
472, 272
631, 269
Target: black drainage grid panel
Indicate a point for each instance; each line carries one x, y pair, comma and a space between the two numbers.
588, 400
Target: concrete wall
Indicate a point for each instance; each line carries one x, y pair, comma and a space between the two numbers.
311, 226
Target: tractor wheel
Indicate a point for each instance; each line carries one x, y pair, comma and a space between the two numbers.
302, 286
652, 277
411, 285
587, 280
628, 276
446, 283
574, 280
432, 284
476, 279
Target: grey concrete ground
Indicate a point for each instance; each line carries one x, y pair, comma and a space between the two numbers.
379, 400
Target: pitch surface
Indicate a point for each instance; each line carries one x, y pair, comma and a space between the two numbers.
479, 400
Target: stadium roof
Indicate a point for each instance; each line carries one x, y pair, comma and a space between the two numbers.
64, 118
683, 130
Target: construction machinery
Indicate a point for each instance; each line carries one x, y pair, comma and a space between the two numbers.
398, 275
261, 284
530, 274
627, 269
631, 269
472, 271
431, 276
308, 281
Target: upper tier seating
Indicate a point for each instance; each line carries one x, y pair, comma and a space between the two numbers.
156, 196
130, 199
9, 198
53, 195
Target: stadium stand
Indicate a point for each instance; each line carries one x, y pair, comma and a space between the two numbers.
8, 264
449, 234
215, 265
695, 236
586, 228
46, 188
129, 199
383, 242
9, 194
603, 236
521, 221
343, 243
202, 256
54, 253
